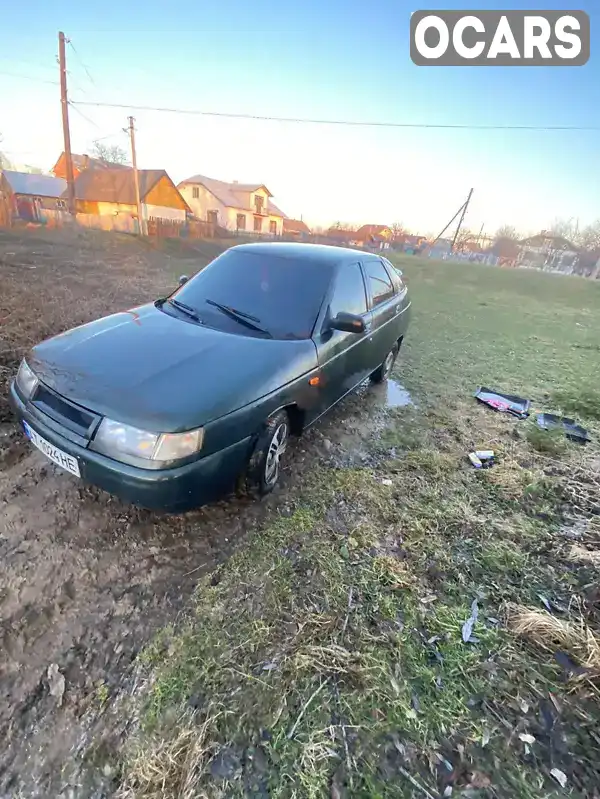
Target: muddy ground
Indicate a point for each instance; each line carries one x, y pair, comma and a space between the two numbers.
86, 581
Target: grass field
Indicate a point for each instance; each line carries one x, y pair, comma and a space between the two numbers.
327, 657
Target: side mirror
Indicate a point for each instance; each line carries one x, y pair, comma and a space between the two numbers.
183, 279
348, 323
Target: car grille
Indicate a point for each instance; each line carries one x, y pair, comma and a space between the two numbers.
73, 417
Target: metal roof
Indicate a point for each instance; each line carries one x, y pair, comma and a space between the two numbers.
115, 185
232, 194
35, 185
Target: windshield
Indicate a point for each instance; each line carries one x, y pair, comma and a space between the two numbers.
258, 294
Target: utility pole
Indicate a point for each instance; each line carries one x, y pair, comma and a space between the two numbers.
460, 221
136, 179
480, 235
62, 60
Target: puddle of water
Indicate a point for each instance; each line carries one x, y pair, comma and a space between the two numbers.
396, 395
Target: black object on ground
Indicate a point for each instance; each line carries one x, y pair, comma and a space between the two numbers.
572, 430
505, 403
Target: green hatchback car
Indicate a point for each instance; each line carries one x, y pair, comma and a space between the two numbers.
172, 404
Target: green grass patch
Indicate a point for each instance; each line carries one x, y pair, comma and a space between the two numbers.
327, 657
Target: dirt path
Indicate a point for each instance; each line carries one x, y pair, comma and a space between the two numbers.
86, 581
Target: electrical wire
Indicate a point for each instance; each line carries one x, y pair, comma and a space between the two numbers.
29, 77
83, 116
341, 122
78, 57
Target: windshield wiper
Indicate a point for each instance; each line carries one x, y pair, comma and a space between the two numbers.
187, 310
241, 317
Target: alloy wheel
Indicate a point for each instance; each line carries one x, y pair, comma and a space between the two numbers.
388, 364
277, 447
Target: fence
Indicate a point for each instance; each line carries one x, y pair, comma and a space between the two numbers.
171, 229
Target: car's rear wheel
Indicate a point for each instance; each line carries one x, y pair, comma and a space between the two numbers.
265, 464
384, 371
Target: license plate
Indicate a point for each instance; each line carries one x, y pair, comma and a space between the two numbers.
56, 455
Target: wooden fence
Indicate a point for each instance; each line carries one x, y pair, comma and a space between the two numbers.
170, 229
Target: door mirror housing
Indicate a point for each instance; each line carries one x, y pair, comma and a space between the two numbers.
348, 323
183, 279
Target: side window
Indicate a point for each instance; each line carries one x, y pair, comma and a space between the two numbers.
395, 276
349, 291
379, 282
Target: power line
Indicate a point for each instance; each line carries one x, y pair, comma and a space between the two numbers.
83, 116
77, 56
29, 77
95, 124
36, 64
346, 122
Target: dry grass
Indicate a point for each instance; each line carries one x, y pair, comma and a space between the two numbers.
580, 554
172, 766
551, 633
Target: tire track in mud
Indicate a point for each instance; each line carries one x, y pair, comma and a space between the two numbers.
85, 583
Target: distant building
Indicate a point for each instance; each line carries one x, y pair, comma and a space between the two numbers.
295, 228
376, 237
111, 192
33, 198
80, 164
506, 248
342, 237
239, 207
548, 252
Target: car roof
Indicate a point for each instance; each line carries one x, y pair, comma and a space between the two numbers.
324, 253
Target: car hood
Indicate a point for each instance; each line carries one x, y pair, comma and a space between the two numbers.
161, 373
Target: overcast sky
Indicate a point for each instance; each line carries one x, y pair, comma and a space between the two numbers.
333, 60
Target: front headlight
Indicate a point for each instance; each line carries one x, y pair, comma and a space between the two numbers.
141, 448
26, 380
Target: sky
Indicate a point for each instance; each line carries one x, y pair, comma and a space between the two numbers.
321, 60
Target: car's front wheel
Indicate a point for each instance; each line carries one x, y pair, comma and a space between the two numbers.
265, 463
382, 372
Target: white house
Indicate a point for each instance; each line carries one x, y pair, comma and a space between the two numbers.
548, 252
235, 206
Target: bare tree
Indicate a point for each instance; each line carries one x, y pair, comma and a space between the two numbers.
5, 162
506, 232
398, 229
567, 229
464, 237
590, 236
109, 153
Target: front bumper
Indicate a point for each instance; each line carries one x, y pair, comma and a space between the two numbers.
172, 490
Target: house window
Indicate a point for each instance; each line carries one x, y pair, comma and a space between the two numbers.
259, 204
196, 193
61, 205
241, 221
212, 217
257, 224
273, 227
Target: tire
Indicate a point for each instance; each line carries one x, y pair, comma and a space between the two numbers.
381, 374
264, 466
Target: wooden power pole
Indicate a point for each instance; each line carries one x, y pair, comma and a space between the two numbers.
460, 221
62, 60
136, 179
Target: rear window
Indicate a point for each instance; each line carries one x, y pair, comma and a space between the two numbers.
284, 295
